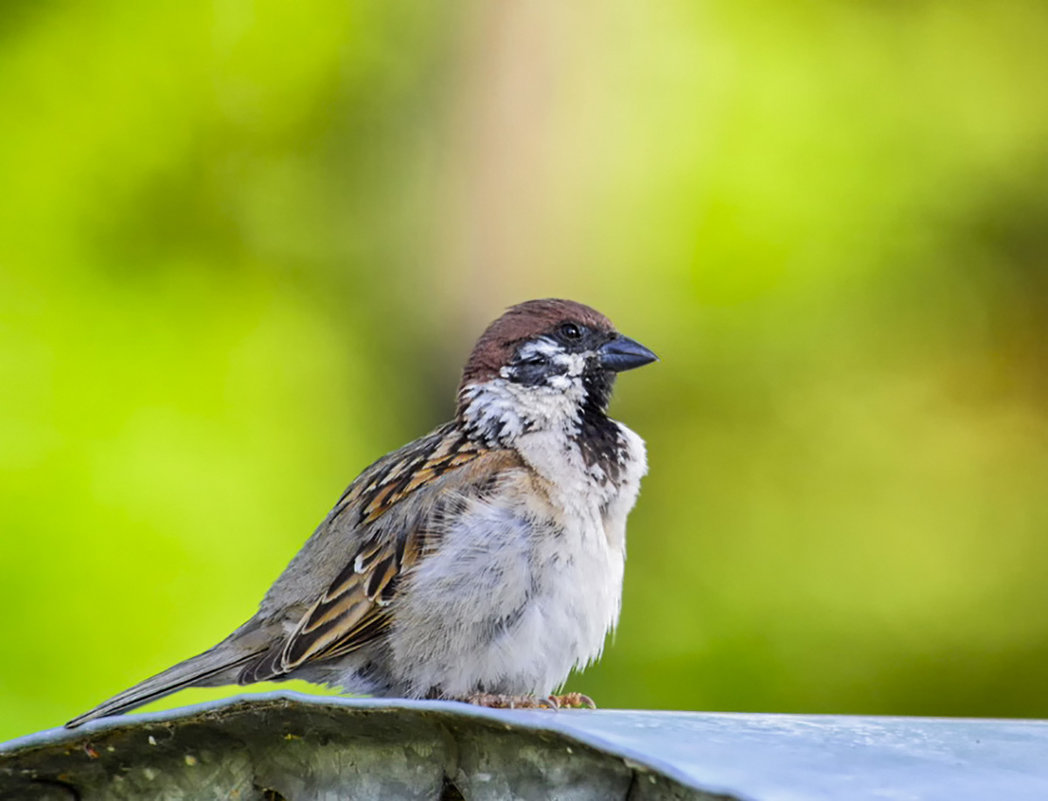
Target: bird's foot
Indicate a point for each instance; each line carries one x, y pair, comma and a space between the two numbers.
573, 701
500, 701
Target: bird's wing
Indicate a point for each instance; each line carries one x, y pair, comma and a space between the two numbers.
394, 506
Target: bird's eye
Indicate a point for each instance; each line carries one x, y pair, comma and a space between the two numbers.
570, 331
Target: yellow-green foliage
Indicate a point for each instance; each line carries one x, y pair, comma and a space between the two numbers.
244, 248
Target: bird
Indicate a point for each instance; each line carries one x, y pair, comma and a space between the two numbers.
482, 562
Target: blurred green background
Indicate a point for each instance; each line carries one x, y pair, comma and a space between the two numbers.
245, 248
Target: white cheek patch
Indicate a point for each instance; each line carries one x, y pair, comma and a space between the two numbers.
562, 364
542, 346
506, 407
573, 364
561, 383
567, 377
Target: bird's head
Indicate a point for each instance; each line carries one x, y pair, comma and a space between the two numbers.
543, 364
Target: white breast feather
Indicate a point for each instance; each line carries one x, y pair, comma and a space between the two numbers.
525, 586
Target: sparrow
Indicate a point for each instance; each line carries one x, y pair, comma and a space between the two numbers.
482, 562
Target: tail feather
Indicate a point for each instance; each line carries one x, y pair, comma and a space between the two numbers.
198, 670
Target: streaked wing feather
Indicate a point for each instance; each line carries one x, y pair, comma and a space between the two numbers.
355, 609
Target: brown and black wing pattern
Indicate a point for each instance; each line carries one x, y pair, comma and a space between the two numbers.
391, 479
354, 610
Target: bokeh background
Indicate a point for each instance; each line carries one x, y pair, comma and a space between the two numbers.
245, 247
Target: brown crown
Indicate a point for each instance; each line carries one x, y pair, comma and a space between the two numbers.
522, 322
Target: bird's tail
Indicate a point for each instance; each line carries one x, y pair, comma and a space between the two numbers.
204, 669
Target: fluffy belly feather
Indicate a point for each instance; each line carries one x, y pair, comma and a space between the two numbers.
509, 602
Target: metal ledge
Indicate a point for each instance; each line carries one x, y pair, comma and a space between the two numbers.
294, 747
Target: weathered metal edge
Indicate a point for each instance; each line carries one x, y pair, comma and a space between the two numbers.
538, 721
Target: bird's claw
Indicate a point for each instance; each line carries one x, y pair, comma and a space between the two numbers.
502, 701
573, 701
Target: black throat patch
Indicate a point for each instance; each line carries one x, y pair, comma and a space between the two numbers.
599, 437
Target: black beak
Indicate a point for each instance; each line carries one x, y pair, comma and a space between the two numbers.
623, 353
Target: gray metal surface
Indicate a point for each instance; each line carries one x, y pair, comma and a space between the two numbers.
298, 747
